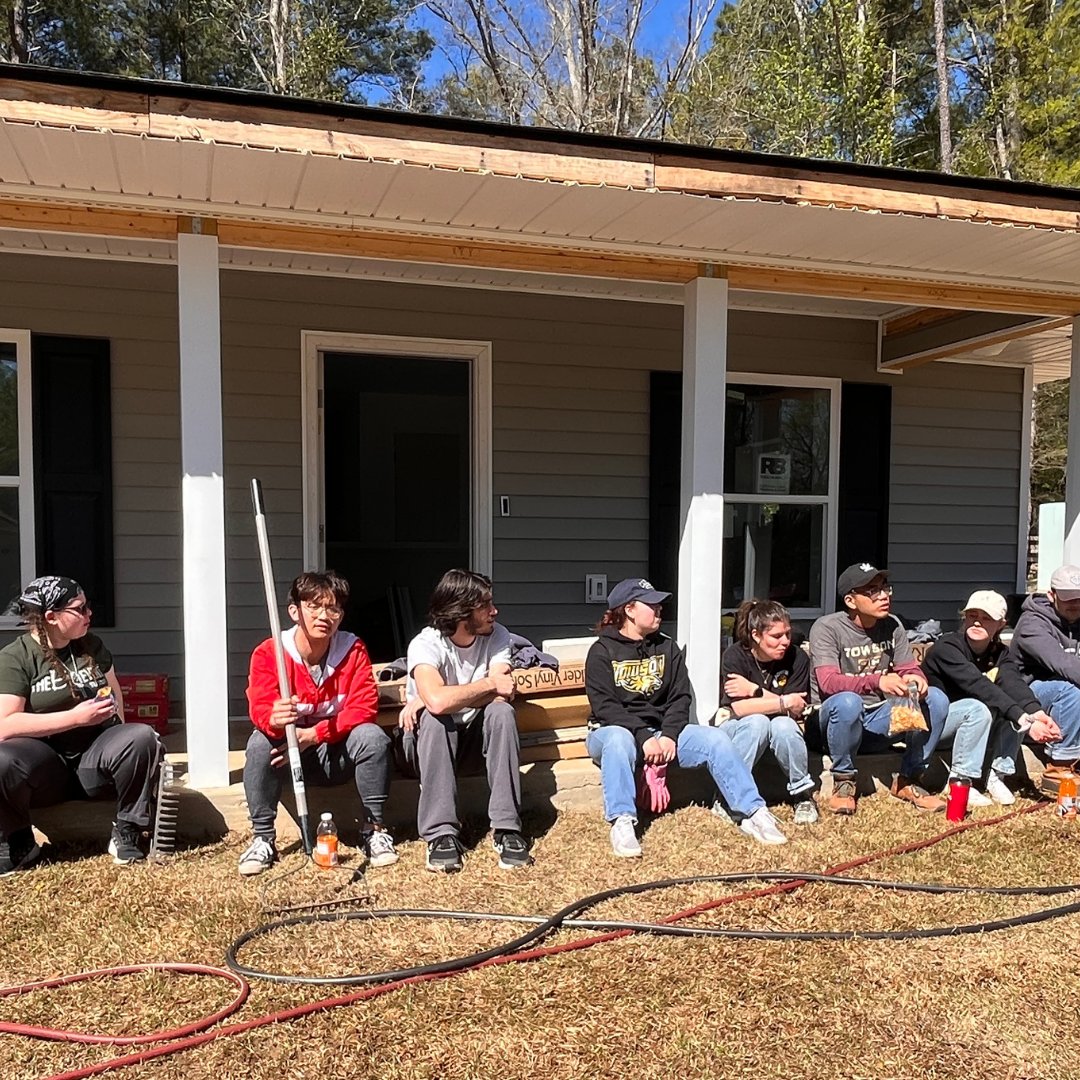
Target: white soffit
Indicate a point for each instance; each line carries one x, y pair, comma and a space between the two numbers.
188, 176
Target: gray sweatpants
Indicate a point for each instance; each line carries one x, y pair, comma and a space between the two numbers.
123, 758
435, 749
364, 753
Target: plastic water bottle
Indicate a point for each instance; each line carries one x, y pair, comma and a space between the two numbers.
1066, 800
326, 839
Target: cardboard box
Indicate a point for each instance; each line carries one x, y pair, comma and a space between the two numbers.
146, 700
569, 678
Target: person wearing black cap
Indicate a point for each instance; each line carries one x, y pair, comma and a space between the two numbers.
60, 726
861, 662
1044, 648
639, 695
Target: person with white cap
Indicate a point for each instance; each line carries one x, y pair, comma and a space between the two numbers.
639, 696
986, 696
1044, 649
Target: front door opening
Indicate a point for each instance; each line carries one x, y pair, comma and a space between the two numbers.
397, 498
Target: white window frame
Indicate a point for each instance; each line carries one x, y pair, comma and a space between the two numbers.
314, 344
830, 501
25, 480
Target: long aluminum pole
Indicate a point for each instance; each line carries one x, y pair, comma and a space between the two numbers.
299, 789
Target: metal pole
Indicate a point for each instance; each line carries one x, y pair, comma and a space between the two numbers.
299, 789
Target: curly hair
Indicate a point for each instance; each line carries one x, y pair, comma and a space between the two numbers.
756, 616
458, 594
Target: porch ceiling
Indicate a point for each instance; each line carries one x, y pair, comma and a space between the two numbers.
95, 156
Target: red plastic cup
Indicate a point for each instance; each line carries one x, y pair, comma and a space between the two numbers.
958, 800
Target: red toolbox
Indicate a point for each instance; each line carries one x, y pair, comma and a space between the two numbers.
146, 700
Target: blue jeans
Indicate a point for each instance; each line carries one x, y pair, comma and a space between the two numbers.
967, 727
756, 733
846, 724
1062, 701
613, 748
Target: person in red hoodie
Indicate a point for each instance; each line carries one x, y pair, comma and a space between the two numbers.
333, 704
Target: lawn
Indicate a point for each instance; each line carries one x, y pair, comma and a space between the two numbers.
998, 1005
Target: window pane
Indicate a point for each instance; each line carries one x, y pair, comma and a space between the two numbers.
773, 552
9, 411
10, 583
776, 440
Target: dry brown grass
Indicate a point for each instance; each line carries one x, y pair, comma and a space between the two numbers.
996, 1006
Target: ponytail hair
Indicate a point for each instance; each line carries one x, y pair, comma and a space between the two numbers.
615, 616
756, 616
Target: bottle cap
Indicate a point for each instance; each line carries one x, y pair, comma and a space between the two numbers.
327, 816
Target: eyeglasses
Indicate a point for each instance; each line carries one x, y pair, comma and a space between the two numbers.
331, 611
881, 590
79, 609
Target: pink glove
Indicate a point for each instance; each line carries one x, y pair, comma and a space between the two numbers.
653, 794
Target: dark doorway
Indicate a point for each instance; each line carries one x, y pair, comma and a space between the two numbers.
397, 495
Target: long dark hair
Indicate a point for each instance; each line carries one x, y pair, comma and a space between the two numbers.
756, 616
458, 594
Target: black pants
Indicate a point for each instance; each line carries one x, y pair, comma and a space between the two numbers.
124, 758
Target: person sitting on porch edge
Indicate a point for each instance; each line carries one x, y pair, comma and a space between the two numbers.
459, 694
766, 688
988, 698
1044, 648
861, 662
333, 704
61, 732
639, 696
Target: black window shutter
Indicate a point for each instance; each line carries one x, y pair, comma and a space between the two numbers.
665, 481
73, 465
863, 509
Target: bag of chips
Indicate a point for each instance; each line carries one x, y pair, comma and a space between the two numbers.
907, 714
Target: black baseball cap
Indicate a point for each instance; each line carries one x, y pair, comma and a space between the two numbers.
630, 589
857, 576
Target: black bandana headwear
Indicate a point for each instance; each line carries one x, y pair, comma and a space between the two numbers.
49, 593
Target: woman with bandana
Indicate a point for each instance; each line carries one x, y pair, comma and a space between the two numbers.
61, 732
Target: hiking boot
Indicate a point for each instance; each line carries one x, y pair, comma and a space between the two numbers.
19, 851
761, 826
124, 844
624, 841
378, 846
444, 855
512, 848
906, 789
1054, 773
806, 812
998, 790
260, 856
844, 798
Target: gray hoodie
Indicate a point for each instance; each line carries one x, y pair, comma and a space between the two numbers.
1044, 645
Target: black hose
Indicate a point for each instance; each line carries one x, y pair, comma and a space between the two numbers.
565, 918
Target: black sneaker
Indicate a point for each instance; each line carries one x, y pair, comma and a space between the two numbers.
512, 848
19, 851
124, 843
444, 855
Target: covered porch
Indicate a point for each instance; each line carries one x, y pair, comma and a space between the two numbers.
229, 245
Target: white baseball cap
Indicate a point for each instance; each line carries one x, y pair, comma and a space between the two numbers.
1065, 581
993, 603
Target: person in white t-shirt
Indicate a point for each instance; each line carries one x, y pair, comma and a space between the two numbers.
459, 692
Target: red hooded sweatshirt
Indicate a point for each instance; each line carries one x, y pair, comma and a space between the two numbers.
348, 695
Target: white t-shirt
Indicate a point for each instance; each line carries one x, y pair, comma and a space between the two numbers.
457, 666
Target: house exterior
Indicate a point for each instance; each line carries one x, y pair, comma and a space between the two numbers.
547, 355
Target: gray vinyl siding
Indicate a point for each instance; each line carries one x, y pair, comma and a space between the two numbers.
570, 432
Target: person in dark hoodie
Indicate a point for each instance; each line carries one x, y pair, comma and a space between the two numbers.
1044, 649
988, 699
639, 694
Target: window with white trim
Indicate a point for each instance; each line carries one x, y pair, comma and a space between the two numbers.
17, 551
780, 491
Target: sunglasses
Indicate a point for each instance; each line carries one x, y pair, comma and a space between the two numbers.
79, 609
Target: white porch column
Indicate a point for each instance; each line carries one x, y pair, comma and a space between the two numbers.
705, 317
206, 696
1072, 463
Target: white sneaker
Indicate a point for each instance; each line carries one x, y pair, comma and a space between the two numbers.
977, 798
762, 827
718, 809
260, 856
379, 847
624, 841
997, 789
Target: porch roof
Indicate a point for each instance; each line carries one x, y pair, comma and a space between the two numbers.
289, 182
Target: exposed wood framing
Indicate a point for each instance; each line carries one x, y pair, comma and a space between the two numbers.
915, 320
285, 130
